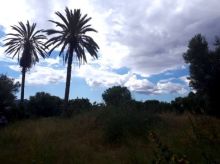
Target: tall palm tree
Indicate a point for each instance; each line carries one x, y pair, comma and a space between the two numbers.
26, 43
71, 36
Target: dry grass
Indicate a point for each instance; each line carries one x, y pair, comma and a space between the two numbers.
80, 140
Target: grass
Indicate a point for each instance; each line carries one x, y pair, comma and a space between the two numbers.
80, 140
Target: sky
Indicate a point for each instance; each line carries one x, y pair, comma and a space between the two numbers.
141, 46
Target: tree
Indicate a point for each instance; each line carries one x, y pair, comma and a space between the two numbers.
197, 56
43, 104
80, 104
204, 67
26, 43
8, 89
73, 39
117, 96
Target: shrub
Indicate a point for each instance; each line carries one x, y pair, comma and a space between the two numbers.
80, 104
77, 106
206, 138
155, 106
8, 89
43, 104
193, 103
117, 96
164, 154
119, 124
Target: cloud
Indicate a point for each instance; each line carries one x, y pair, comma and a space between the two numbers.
41, 75
140, 85
144, 86
50, 76
12, 12
52, 62
5, 58
156, 33
171, 88
106, 78
185, 79
32, 10
96, 76
147, 37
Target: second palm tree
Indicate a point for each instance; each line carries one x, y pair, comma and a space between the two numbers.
72, 38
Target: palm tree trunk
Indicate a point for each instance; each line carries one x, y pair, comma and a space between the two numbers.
68, 79
22, 84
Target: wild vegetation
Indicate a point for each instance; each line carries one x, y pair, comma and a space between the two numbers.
48, 129
105, 136
204, 67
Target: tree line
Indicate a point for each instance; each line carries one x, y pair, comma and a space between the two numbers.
115, 98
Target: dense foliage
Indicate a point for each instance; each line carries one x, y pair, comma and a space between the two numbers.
118, 125
80, 104
117, 96
8, 89
204, 67
43, 104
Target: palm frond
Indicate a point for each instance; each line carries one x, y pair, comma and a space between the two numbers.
59, 24
72, 33
26, 43
62, 17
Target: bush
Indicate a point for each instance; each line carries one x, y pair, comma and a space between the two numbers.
193, 103
43, 104
117, 96
77, 106
8, 89
119, 124
155, 106
80, 104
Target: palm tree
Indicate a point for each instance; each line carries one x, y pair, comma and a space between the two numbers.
26, 43
71, 36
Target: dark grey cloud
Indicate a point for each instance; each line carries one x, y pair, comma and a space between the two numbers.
157, 32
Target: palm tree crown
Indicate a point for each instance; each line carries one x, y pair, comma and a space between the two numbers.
72, 38
26, 43
72, 35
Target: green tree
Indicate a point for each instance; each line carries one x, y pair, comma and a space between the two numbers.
117, 96
26, 43
8, 89
204, 67
43, 104
197, 56
71, 36
80, 104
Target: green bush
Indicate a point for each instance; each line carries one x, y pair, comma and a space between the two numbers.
80, 104
8, 90
117, 96
164, 154
77, 106
44, 105
118, 124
